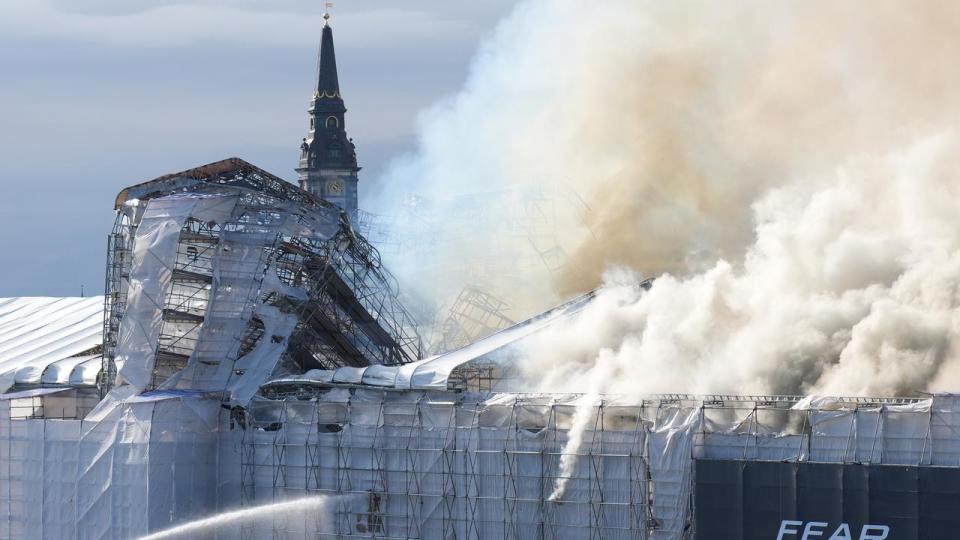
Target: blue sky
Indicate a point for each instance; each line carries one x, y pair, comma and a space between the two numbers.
101, 94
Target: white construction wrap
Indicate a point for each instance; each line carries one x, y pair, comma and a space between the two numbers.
154, 253
40, 337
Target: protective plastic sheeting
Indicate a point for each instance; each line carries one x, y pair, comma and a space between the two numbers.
435, 465
154, 255
425, 464
138, 468
78, 370
38, 333
224, 276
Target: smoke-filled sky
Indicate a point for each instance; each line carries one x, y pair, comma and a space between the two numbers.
787, 169
98, 94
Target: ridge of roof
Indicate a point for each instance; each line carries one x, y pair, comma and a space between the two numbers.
224, 171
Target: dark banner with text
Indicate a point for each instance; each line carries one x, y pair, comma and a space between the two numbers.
758, 500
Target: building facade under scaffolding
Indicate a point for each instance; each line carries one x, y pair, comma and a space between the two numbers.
408, 452
220, 276
251, 349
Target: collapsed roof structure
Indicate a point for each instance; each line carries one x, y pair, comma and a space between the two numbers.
488, 364
254, 350
251, 349
222, 276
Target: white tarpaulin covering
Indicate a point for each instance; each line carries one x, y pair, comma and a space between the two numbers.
154, 255
242, 277
138, 467
433, 465
77, 370
42, 335
419, 464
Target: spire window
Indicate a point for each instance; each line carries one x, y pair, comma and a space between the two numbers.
333, 122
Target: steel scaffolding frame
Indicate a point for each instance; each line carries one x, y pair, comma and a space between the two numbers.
119, 261
349, 313
452, 464
415, 465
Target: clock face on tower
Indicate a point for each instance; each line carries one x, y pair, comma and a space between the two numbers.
335, 187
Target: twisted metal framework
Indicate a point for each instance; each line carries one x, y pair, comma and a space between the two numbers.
349, 314
474, 314
348, 319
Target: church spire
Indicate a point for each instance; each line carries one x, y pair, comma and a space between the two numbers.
328, 161
327, 83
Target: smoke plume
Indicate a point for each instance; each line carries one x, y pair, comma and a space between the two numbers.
852, 286
788, 169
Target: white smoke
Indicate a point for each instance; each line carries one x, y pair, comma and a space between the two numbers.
852, 286
668, 120
788, 169
806, 146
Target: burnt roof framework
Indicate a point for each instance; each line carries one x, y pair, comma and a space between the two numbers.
474, 314
312, 268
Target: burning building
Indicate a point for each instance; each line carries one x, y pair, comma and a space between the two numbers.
251, 348
449, 446
224, 274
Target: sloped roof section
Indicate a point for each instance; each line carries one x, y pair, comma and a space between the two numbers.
231, 171
433, 373
43, 340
